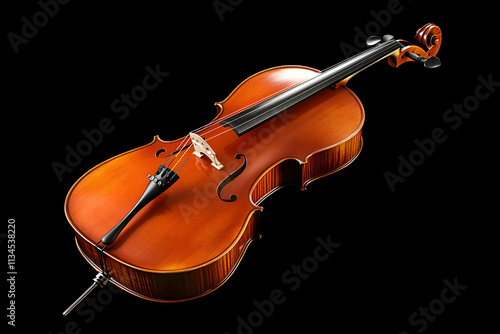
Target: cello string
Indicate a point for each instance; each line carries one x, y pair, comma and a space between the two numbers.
178, 149
273, 94
218, 120
180, 159
175, 173
210, 126
215, 122
369, 51
168, 159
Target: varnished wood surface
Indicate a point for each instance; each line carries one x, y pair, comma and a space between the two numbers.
186, 242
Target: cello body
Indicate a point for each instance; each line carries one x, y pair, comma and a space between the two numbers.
182, 234
187, 242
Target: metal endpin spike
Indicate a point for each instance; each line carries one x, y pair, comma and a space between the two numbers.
99, 281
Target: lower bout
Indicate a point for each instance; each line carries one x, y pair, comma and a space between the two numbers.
173, 286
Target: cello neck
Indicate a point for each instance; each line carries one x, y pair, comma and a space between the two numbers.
335, 75
346, 69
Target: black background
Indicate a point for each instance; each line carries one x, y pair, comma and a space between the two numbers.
397, 247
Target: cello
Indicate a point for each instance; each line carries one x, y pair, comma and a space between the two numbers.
171, 220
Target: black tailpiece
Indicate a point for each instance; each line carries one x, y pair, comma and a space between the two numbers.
161, 181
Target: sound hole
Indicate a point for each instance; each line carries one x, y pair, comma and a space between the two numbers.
160, 151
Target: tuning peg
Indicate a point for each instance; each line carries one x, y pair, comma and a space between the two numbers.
387, 38
432, 62
373, 40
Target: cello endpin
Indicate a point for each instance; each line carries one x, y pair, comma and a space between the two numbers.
99, 281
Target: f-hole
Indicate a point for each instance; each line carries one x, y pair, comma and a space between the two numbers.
231, 177
163, 150
160, 151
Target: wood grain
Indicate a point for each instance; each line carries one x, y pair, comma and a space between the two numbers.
187, 242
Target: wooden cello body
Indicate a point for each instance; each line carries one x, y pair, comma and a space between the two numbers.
192, 245
184, 235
